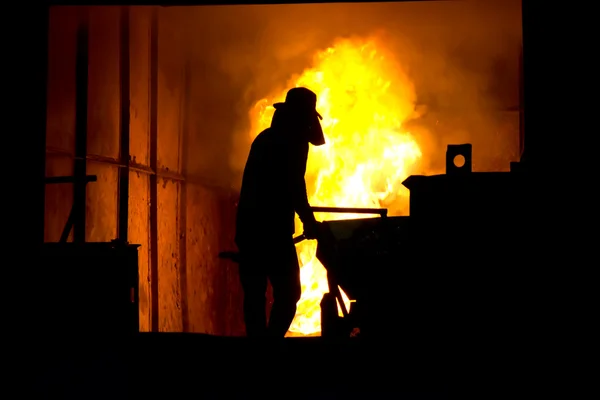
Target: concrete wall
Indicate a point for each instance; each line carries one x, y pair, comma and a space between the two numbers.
197, 292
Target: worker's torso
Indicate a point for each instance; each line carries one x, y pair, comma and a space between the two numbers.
266, 205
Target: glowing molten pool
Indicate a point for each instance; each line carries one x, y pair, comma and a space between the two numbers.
364, 97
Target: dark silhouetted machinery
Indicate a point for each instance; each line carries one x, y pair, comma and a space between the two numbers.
357, 254
448, 270
85, 289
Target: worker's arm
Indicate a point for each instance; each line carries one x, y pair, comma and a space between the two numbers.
301, 204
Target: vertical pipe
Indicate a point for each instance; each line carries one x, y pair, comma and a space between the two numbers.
521, 111
38, 104
183, 151
81, 105
123, 210
527, 75
154, 166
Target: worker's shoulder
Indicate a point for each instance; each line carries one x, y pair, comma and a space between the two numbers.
265, 137
262, 136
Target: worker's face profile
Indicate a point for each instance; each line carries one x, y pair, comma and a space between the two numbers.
305, 124
315, 131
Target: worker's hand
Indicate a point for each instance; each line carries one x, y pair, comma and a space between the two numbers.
311, 231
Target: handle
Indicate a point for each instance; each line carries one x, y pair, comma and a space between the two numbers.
299, 238
352, 210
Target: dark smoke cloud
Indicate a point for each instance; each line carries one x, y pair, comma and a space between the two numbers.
461, 56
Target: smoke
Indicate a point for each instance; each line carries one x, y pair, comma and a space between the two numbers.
461, 56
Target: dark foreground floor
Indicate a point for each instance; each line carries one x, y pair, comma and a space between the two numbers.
181, 366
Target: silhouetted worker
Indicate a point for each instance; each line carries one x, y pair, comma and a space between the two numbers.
273, 190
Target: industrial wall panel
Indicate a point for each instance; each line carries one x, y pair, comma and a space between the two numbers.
101, 203
139, 233
231, 321
169, 293
508, 141
139, 84
493, 134
214, 291
104, 85
59, 198
60, 131
170, 97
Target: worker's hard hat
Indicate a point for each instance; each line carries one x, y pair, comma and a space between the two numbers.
304, 101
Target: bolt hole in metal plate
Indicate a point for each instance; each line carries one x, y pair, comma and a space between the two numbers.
459, 161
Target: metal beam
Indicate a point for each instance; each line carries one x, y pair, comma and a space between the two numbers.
181, 3
81, 105
529, 73
351, 210
38, 108
521, 115
68, 179
123, 210
162, 173
154, 315
183, 153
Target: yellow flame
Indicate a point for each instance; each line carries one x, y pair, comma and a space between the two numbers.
363, 96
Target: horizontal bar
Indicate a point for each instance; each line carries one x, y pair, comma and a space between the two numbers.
162, 173
261, 2
351, 210
168, 174
69, 179
58, 151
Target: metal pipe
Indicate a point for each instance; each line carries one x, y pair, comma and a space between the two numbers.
521, 115
123, 194
80, 167
528, 72
37, 105
182, 220
161, 173
69, 179
154, 165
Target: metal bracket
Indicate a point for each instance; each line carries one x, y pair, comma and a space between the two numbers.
69, 179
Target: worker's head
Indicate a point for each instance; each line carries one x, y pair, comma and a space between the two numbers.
299, 113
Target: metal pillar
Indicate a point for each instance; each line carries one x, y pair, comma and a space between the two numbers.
123, 210
154, 166
81, 105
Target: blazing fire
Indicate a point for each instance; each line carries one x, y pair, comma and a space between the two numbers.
364, 97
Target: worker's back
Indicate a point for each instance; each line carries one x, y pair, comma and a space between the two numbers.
266, 205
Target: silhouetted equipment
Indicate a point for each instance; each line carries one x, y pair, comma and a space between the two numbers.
447, 269
345, 248
234, 256
87, 289
459, 159
356, 254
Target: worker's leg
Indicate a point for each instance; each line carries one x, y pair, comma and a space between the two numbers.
254, 283
285, 280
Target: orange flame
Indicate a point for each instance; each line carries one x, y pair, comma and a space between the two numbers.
364, 97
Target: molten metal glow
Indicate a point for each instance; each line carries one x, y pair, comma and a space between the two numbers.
363, 96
